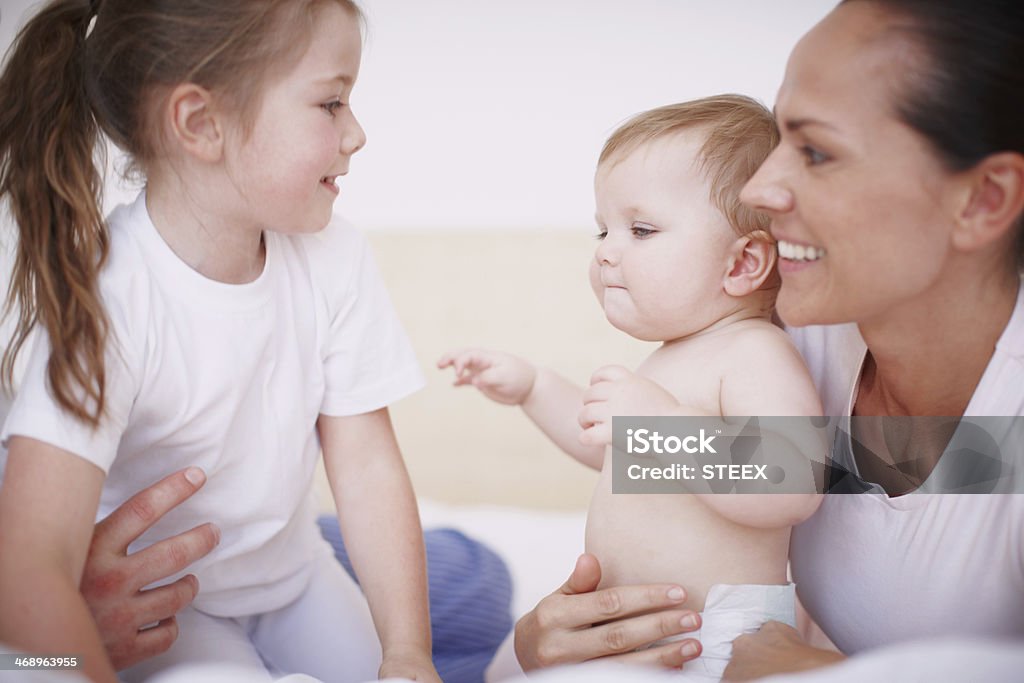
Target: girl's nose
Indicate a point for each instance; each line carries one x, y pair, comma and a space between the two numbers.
353, 138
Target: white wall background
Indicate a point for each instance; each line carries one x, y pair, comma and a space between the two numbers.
490, 114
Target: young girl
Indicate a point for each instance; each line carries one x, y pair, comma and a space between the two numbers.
222, 320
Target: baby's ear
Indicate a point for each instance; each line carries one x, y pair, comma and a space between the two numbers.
750, 264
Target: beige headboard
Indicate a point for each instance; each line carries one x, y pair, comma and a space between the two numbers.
522, 292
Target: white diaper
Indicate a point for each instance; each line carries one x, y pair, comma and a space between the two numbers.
729, 612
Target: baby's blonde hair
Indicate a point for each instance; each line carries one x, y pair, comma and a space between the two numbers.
740, 131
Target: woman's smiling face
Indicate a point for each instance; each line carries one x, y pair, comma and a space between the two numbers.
859, 201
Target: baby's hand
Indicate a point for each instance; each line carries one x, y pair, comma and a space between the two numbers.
614, 390
501, 377
414, 667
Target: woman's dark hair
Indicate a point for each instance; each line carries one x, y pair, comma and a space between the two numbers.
82, 68
967, 96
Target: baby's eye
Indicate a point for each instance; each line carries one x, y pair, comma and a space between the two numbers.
642, 232
332, 107
601, 235
812, 156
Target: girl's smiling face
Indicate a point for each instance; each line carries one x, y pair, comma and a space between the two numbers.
859, 202
304, 134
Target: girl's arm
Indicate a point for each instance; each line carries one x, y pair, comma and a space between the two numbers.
380, 523
548, 399
48, 504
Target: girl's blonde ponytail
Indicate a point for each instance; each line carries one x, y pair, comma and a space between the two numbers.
51, 182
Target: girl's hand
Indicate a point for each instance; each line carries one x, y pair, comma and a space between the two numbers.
501, 377
614, 390
577, 623
774, 649
415, 666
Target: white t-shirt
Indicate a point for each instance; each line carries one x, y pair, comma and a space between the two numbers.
231, 378
873, 570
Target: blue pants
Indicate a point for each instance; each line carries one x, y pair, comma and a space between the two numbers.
470, 599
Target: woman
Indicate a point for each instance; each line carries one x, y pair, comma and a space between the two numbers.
902, 164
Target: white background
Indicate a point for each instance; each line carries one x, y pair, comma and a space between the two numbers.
490, 114
485, 119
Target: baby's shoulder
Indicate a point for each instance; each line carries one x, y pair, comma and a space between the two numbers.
765, 374
756, 342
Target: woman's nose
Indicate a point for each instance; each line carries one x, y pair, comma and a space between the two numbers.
765, 190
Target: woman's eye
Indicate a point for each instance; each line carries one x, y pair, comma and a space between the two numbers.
812, 156
332, 107
641, 233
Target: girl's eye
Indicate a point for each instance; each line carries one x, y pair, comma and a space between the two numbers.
332, 107
812, 156
642, 232
601, 235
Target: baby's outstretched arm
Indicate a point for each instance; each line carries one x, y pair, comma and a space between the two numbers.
381, 526
548, 399
501, 377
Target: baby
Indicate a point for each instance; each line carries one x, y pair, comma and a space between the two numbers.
681, 262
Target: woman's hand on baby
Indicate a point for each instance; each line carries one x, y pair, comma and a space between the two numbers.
577, 623
415, 666
501, 377
615, 390
112, 580
774, 649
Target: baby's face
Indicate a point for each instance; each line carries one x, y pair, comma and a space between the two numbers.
658, 271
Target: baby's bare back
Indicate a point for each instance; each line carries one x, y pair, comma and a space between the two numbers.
679, 538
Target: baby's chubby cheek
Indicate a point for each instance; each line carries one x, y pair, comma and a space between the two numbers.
595, 281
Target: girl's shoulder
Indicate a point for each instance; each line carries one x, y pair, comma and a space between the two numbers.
340, 239
125, 283
124, 277
336, 256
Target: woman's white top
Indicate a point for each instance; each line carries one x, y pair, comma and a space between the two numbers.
874, 570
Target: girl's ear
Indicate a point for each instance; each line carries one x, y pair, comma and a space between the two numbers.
992, 201
751, 262
194, 123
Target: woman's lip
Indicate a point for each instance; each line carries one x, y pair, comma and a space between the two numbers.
791, 267
783, 237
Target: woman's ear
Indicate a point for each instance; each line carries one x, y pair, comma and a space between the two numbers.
194, 123
992, 201
750, 264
